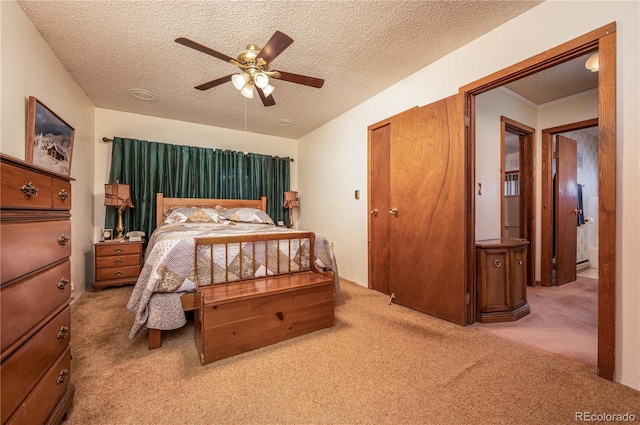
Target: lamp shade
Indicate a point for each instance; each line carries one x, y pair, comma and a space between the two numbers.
268, 90
291, 200
261, 79
118, 195
247, 90
240, 80
593, 63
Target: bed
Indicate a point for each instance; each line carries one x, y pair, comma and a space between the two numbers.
166, 286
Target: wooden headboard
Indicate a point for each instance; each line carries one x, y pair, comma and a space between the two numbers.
163, 204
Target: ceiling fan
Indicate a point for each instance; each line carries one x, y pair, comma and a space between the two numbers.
255, 65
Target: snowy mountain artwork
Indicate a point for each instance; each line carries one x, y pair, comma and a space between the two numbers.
49, 139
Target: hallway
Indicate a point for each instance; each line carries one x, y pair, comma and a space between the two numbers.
563, 320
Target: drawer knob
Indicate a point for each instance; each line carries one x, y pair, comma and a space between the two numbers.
63, 283
29, 190
119, 261
519, 261
63, 195
497, 263
63, 332
63, 375
119, 273
118, 250
62, 240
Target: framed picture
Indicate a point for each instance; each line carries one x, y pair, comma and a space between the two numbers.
49, 139
106, 235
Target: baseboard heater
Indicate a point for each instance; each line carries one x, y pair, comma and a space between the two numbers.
582, 265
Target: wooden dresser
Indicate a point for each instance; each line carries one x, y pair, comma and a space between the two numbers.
35, 245
117, 263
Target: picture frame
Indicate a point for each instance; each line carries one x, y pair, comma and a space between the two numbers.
106, 235
49, 141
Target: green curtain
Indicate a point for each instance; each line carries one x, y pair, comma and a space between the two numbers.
191, 172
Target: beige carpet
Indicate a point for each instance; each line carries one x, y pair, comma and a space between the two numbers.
380, 364
563, 322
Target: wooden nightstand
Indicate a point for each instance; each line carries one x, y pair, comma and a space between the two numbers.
117, 263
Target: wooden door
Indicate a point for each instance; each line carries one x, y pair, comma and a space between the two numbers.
566, 193
428, 255
379, 193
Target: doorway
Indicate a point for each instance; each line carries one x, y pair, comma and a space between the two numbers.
549, 241
602, 40
517, 201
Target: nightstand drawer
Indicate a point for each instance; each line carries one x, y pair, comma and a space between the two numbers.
118, 261
118, 249
117, 272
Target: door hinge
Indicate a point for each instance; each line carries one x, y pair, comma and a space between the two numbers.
467, 121
467, 297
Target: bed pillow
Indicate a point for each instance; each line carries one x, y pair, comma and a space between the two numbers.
247, 215
193, 215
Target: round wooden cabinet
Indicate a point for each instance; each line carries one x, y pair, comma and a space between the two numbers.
501, 280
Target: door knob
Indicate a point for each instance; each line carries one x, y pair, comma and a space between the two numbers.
393, 211
577, 211
374, 212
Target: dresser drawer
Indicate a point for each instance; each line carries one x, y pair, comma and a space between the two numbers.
61, 194
37, 185
117, 272
22, 371
30, 246
25, 303
117, 249
27, 189
42, 401
118, 261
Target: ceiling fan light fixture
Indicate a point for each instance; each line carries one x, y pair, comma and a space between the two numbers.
593, 63
247, 90
261, 79
240, 80
268, 90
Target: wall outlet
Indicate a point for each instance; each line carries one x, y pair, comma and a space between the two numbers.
73, 286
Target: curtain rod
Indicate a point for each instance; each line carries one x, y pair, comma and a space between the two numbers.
106, 139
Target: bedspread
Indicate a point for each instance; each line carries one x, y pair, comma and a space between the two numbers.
168, 271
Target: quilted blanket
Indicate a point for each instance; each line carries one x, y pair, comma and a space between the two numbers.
169, 272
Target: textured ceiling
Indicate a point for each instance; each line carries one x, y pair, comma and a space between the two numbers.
560, 81
358, 47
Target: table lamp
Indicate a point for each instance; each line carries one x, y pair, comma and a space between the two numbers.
291, 202
118, 195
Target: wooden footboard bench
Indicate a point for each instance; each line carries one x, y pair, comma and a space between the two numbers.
242, 314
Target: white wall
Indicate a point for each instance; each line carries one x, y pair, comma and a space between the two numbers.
333, 158
111, 124
29, 68
490, 106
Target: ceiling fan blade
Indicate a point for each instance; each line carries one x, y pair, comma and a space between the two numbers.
301, 79
199, 47
277, 44
213, 83
266, 101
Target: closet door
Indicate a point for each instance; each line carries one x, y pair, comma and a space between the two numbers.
427, 234
379, 218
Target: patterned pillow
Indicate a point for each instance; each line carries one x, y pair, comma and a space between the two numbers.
247, 215
193, 215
